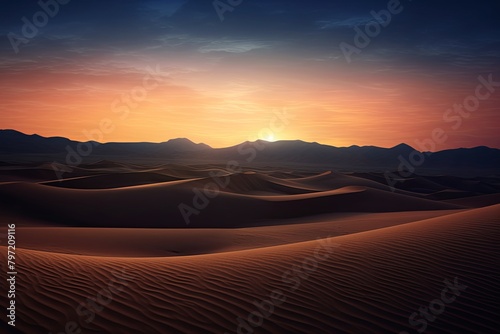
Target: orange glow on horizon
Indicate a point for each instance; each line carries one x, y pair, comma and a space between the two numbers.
221, 112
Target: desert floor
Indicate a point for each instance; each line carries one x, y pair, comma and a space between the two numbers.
265, 250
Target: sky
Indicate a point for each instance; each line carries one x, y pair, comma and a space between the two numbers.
341, 73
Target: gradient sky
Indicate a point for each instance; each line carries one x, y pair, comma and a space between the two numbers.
222, 82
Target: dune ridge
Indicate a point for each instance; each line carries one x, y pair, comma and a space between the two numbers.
141, 242
107, 250
370, 283
242, 200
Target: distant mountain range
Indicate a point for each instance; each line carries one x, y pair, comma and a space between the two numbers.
19, 147
15, 142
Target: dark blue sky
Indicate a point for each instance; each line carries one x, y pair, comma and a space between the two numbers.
434, 32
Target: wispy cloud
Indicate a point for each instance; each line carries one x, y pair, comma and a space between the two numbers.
232, 46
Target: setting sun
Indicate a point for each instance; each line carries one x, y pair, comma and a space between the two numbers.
270, 138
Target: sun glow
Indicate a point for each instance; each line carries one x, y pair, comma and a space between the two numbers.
270, 137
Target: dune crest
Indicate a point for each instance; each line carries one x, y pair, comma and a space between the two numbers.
373, 275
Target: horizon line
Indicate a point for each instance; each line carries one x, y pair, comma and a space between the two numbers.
243, 142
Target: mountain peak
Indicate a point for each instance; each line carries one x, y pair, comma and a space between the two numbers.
402, 147
185, 144
10, 132
180, 141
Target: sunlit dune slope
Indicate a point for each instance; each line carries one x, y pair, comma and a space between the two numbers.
367, 282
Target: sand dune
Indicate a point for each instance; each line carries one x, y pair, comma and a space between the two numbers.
158, 205
107, 250
329, 180
369, 282
113, 180
141, 242
477, 201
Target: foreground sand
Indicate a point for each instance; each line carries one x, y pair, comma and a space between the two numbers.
367, 282
275, 251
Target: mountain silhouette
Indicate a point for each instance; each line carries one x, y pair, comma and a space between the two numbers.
17, 146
